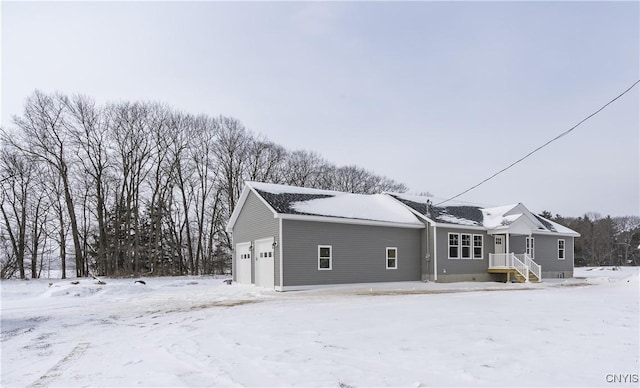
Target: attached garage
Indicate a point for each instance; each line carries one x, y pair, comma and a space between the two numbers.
281, 229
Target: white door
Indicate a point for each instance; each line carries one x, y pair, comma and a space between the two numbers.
265, 268
243, 263
499, 242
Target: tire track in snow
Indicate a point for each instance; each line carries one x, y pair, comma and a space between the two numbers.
63, 364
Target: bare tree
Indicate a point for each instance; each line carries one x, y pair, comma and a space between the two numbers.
230, 151
134, 148
169, 131
45, 137
628, 236
88, 128
264, 161
14, 199
203, 164
305, 169
38, 221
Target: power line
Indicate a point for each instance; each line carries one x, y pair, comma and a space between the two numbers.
542, 146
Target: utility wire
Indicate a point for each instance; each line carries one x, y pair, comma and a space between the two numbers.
542, 146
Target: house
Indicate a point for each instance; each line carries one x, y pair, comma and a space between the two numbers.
290, 238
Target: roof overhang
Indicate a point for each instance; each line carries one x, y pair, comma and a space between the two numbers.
459, 226
351, 221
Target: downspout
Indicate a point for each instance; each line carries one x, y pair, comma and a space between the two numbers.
435, 242
280, 254
573, 255
435, 253
427, 254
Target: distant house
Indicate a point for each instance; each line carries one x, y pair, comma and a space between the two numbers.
289, 237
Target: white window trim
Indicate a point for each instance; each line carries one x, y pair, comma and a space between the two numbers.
530, 247
563, 249
449, 246
387, 258
470, 246
330, 257
473, 247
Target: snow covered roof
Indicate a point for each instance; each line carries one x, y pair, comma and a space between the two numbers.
392, 209
458, 214
325, 205
492, 218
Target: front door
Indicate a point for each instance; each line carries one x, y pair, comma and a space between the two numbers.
499, 244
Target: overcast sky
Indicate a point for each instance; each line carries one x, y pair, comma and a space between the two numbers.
437, 95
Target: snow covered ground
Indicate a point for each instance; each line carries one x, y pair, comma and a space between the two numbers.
198, 331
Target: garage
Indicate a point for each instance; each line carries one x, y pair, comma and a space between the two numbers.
264, 262
243, 263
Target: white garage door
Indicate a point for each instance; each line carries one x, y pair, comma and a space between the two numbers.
264, 263
243, 263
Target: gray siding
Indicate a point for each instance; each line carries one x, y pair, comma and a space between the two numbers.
462, 269
256, 222
518, 244
358, 252
546, 254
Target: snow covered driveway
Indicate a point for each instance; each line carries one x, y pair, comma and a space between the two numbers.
197, 331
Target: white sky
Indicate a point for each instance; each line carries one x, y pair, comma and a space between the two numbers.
437, 95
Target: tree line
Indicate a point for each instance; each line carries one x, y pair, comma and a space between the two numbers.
131, 188
603, 240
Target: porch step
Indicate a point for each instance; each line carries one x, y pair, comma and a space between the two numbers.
532, 278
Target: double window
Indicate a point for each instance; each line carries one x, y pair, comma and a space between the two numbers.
465, 246
392, 258
560, 249
324, 257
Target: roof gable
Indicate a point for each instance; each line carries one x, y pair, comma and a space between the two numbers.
514, 218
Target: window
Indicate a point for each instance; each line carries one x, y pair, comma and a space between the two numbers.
454, 242
560, 249
324, 257
530, 247
477, 246
466, 246
392, 258
266, 254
